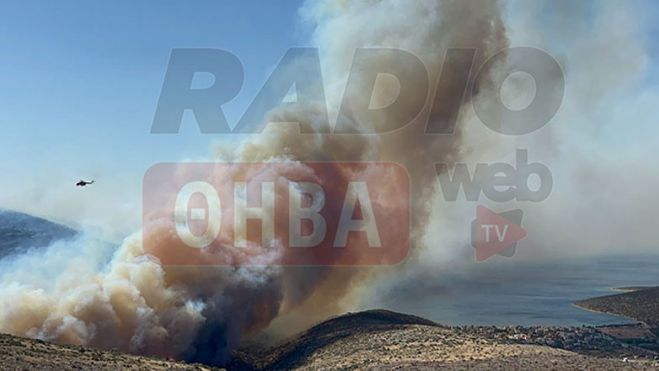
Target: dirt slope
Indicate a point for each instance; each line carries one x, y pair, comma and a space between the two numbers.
367, 340
26, 354
382, 339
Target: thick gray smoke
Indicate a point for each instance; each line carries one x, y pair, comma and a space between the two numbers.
599, 147
135, 304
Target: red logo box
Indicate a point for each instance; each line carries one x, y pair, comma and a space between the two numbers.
276, 213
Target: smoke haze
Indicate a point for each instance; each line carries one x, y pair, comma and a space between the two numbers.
83, 292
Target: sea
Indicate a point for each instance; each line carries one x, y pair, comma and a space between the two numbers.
524, 293
501, 292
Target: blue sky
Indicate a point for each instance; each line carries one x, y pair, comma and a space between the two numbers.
80, 80
84, 77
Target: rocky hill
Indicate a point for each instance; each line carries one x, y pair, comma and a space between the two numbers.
641, 304
27, 354
367, 340
383, 339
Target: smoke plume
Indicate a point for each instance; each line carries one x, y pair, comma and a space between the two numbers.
134, 303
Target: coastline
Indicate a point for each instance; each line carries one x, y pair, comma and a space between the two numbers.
629, 289
577, 305
637, 303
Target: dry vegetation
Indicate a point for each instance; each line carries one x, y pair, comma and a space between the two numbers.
382, 339
26, 354
367, 340
641, 304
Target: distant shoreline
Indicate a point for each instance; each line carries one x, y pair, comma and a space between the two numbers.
630, 288
576, 305
635, 303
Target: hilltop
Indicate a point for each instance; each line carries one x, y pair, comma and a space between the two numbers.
384, 339
20, 232
639, 303
367, 340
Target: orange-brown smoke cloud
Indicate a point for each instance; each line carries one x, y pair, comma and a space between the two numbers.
136, 304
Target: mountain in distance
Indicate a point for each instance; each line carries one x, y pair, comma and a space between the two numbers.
20, 232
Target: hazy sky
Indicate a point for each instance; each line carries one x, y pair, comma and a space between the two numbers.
80, 81
79, 84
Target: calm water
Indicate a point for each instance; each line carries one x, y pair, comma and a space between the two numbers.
523, 293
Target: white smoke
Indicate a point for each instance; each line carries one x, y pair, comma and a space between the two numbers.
599, 146
129, 301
